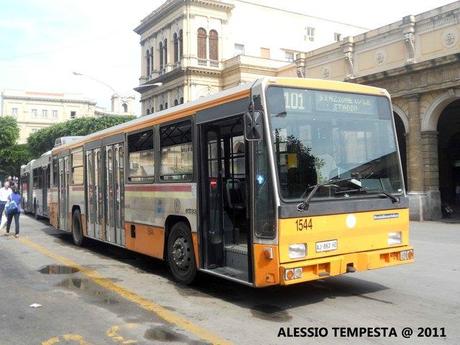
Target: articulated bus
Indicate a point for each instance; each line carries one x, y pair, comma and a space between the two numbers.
26, 186
276, 182
40, 172
35, 181
35, 178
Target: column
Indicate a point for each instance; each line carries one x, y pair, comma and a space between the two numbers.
415, 174
431, 176
414, 147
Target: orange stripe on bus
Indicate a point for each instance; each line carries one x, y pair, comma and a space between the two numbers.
77, 188
174, 115
158, 188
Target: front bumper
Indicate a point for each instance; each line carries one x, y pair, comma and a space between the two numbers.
345, 263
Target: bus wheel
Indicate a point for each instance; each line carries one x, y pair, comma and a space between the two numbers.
77, 232
35, 210
181, 258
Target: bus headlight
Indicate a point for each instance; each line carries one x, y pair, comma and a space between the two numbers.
297, 250
394, 238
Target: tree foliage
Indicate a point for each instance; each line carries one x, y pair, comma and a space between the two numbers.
9, 131
11, 159
43, 139
12, 155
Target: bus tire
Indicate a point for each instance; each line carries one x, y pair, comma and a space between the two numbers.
180, 254
77, 231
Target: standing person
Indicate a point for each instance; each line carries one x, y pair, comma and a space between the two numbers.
5, 192
13, 210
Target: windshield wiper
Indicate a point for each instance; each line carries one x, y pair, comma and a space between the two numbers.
281, 114
381, 193
334, 182
388, 195
303, 206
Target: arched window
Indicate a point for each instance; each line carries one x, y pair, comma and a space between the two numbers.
176, 102
147, 111
151, 60
166, 105
161, 106
147, 62
213, 45
161, 55
181, 100
165, 48
176, 48
125, 107
201, 44
181, 44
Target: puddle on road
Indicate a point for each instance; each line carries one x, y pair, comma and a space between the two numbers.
58, 269
90, 288
95, 294
164, 334
270, 313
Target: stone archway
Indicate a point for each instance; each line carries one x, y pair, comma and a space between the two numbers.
402, 128
437, 106
448, 128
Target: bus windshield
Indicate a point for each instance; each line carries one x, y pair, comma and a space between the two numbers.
320, 136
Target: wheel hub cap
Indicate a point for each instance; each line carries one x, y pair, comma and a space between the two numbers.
180, 253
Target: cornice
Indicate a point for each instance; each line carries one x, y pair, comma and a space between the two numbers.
409, 68
171, 5
45, 99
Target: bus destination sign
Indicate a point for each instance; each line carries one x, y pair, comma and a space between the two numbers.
334, 102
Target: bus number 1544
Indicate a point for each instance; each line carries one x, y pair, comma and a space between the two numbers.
304, 224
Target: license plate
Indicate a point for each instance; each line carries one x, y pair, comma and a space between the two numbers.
326, 246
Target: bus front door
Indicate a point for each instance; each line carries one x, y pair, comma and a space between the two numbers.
224, 201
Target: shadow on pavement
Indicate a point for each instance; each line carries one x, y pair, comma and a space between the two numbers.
272, 303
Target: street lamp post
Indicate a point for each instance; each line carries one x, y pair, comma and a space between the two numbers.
114, 93
96, 80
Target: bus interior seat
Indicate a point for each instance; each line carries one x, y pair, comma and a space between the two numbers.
235, 194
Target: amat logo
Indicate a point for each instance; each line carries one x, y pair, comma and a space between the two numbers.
350, 221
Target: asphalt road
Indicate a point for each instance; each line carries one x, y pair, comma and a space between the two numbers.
118, 297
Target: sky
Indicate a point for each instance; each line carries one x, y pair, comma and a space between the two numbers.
42, 42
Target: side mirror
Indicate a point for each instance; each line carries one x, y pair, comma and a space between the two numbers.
253, 125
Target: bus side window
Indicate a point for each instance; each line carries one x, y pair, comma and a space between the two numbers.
141, 165
77, 167
176, 152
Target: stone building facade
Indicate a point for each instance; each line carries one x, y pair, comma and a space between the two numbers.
35, 110
192, 48
418, 61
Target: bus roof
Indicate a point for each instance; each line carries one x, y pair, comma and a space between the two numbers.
221, 97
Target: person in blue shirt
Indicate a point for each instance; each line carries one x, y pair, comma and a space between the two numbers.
13, 211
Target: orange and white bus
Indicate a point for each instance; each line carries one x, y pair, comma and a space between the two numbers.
275, 182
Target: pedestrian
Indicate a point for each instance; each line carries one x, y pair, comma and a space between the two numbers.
13, 210
5, 192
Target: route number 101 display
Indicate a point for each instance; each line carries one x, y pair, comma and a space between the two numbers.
294, 100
